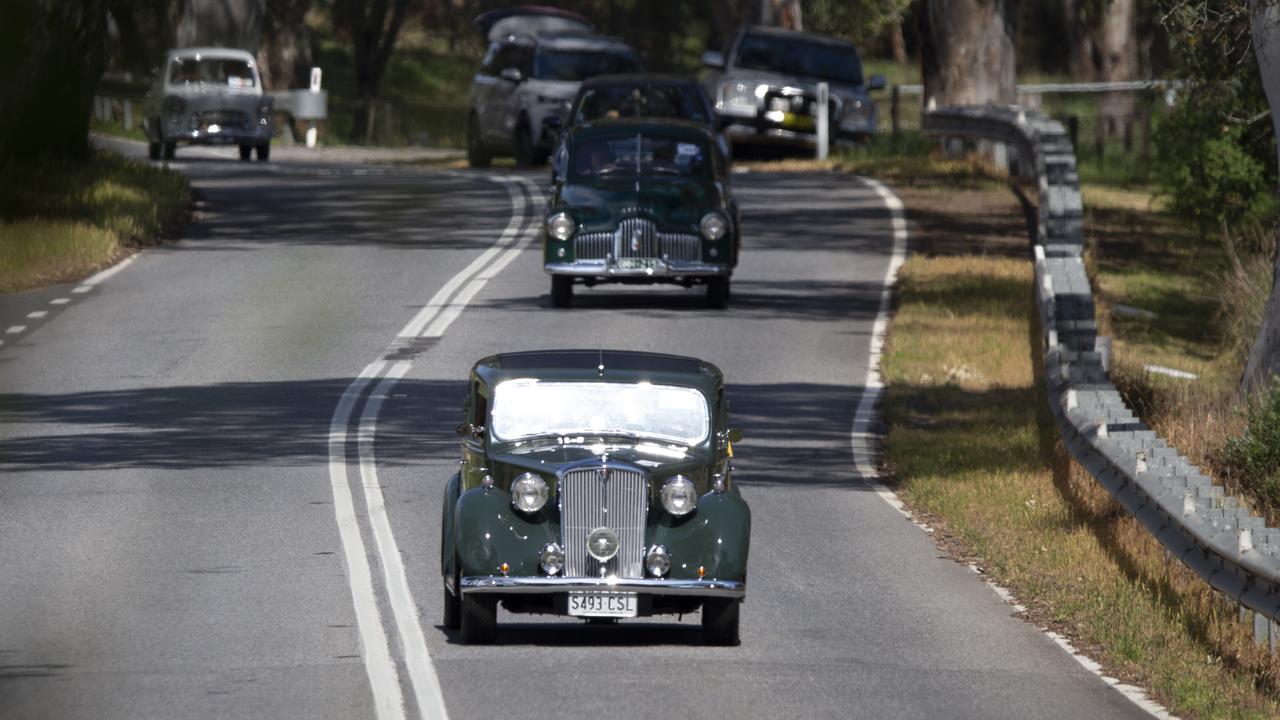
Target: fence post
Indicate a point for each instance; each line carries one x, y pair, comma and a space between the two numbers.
1073, 129
1128, 134
895, 108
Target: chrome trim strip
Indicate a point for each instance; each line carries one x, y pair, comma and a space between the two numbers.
605, 269
500, 585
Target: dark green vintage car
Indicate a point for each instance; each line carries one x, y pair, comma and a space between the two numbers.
594, 484
641, 201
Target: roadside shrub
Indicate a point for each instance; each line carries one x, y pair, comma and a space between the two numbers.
1253, 457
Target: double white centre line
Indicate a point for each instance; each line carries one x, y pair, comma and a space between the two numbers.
382, 375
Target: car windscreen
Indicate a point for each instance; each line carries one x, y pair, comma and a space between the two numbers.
795, 56
578, 65
634, 154
213, 71
524, 408
642, 100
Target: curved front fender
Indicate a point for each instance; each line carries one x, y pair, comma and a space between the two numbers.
448, 544
716, 537
489, 532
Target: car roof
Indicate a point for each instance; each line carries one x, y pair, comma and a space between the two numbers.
638, 79
212, 52
796, 35
602, 366
529, 20
581, 41
676, 127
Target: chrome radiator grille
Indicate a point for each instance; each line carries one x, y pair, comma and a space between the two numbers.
637, 238
225, 118
620, 503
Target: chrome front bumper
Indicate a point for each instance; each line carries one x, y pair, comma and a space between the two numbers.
502, 585
605, 269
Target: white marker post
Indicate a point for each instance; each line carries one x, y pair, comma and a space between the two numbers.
311, 124
823, 133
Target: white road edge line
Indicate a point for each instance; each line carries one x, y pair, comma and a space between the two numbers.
864, 442
99, 277
384, 680
383, 674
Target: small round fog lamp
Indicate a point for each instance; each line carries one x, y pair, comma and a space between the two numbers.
552, 559
657, 560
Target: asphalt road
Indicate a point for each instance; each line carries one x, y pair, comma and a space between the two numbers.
221, 469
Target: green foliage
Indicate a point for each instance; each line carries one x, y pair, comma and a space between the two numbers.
858, 20
1216, 148
1253, 458
1211, 179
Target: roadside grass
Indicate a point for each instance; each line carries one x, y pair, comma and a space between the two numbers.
60, 222
975, 453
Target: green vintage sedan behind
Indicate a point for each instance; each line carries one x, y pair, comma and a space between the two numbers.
594, 484
641, 201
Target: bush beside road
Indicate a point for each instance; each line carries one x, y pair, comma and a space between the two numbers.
61, 222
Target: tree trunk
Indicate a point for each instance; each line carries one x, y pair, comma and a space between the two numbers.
52, 57
1264, 356
967, 53
222, 23
374, 27
284, 58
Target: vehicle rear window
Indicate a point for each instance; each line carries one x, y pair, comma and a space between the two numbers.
611, 101
639, 154
214, 71
578, 65
795, 56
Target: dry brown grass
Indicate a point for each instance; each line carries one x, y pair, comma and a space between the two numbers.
973, 449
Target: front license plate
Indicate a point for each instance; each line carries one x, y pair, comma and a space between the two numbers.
637, 263
602, 604
792, 120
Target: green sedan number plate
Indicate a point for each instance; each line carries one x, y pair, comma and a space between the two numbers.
637, 263
602, 604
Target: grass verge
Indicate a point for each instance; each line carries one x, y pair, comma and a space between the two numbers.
60, 222
972, 448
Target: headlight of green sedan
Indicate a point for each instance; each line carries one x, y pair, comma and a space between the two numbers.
678, 496
560, 226
713, 226
529, 493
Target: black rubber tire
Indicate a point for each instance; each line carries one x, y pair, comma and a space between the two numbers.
264, 152
246, 152
477, 155
720, 621
153, 150
452, 618
479, 621
169, 150
527, 153
718, 292
561, 291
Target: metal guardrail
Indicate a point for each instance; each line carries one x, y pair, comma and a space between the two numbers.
1079, 87
301, 104
1210, 532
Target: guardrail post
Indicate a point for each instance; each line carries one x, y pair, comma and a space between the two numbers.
823, 130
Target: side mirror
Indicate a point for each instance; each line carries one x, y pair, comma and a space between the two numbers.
469, 429
877, 83
511, 75
713, 59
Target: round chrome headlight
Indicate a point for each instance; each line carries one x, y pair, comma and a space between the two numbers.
678, 496
529, 493
713, 226
602, 544
560, 226
552, 559
657, 560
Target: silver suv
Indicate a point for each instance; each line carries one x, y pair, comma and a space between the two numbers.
536, 60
